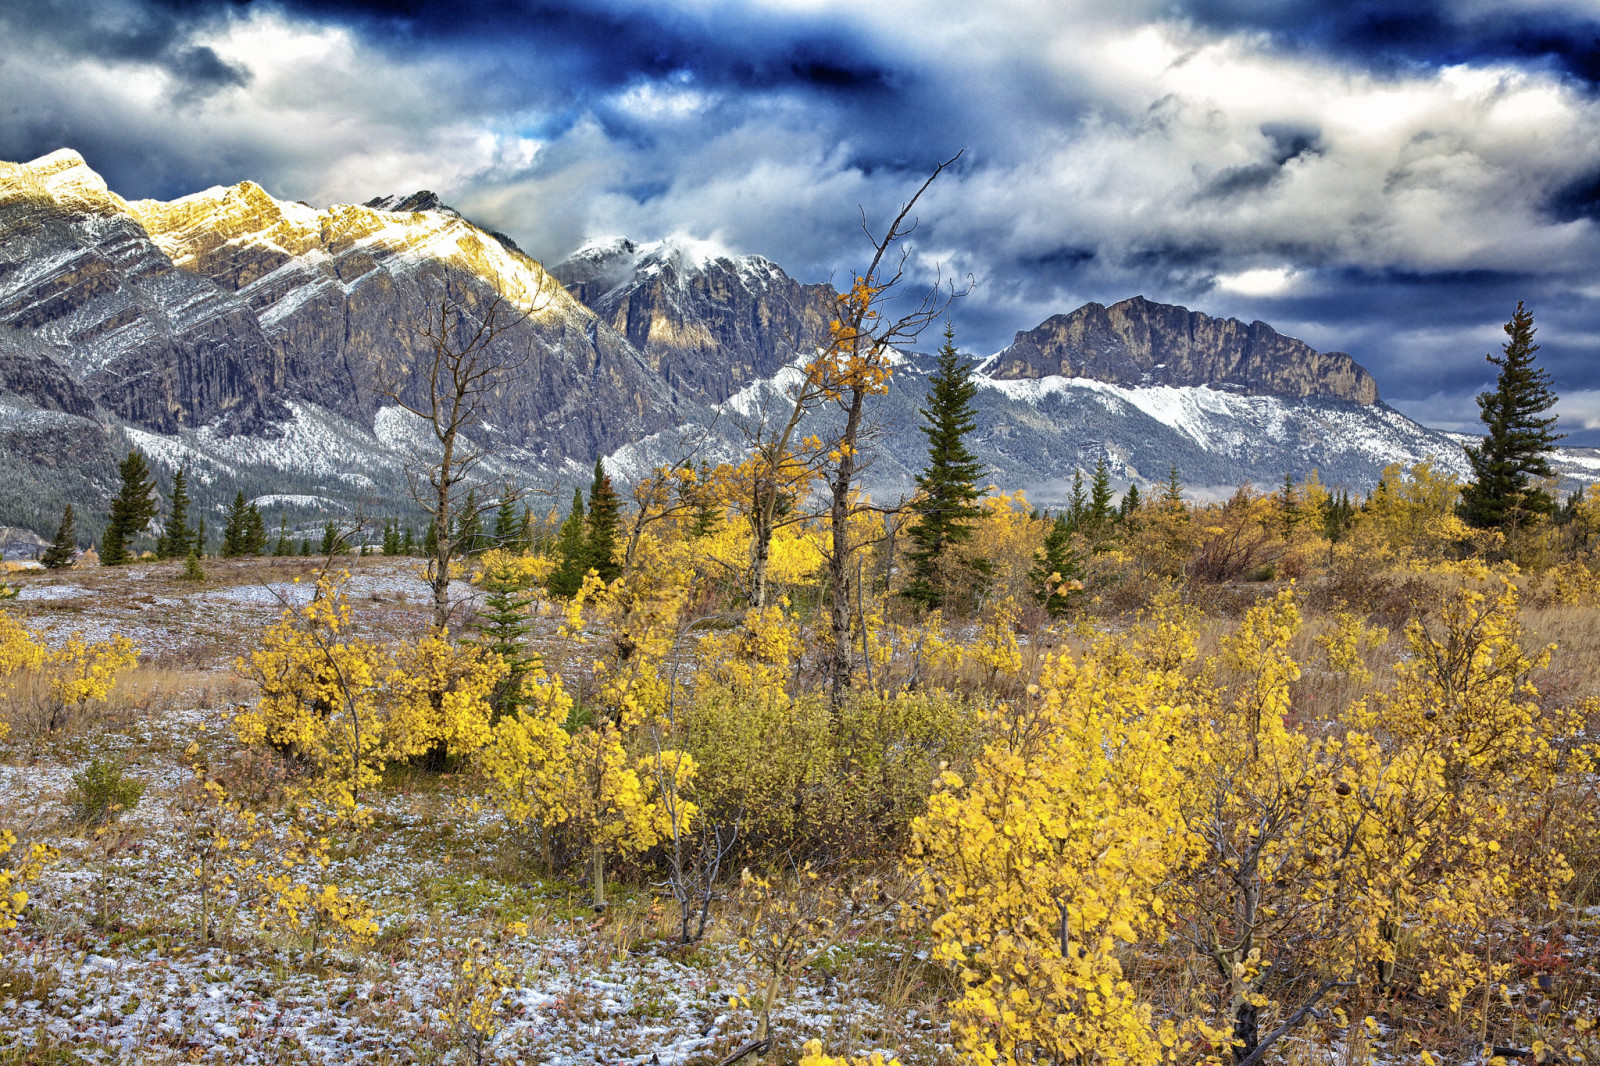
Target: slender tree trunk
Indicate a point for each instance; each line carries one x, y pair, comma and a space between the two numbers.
839, 558
599, 858
440, 578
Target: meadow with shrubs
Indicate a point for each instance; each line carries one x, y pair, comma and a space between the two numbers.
729, 764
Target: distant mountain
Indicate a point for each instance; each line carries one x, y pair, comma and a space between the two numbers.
1139, 343
239, 334
707, 321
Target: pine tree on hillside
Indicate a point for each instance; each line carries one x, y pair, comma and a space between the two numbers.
1517, 445
255, 532
332, 542
503, 626
199, 546
283, 546
408, 543
947, 501
305, 546
430, 541
131, 510
1100, 496
236, 531
469, 528
1078, 502
1172, 494
177, 538
507, 533
1055, 568
1130, 503
1289, 501
391, 537
605, 520
571, 556
63, 551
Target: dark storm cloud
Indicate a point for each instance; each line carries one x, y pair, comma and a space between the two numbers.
1421, 32
129, 31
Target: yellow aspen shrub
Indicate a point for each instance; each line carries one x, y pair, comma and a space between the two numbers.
75, 673
995, 654
1259, 891
1048, 858
15, 873
527, 759
473, 1005
611, 804
322, 695
442, 694
1347, 643
813, 1055
1459, 792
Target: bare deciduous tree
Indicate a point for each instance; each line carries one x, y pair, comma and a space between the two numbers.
451, 388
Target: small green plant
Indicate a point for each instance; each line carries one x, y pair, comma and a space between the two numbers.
102, 792
191, 569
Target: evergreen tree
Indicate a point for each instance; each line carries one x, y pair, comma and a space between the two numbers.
1100, 495
605, 520
430, 541
331, 539
469, 527
63, 551
283, 546
1055, 568
1078, 502
391, 537
1172, 494
255, 532
1130, 503
704, 501
191, 568
1517, 445
408, 543
1289, 505
305, 546
571, 553
503, 626
199, 546
507, 533
236, 531
177, 538
131, 510
947, 503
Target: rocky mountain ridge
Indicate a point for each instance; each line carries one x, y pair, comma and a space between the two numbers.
1139, 343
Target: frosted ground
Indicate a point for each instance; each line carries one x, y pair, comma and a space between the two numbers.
108, 962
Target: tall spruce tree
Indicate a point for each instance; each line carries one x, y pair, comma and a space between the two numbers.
1100, 496
947, 503
177, 538
605, 522
503, 626
63, 551
255, 532
1055, 568
1518, 440
1172, 493
1078, 502
236, 531
469, 528
283, 546
571, 556
131, 510
1130, 503
507, 533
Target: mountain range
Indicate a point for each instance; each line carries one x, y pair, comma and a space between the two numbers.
244, 336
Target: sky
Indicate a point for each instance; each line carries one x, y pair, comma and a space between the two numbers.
1383, 177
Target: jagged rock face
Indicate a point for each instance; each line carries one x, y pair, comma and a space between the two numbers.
340, 291
708, 322
149, 342
1137, 342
